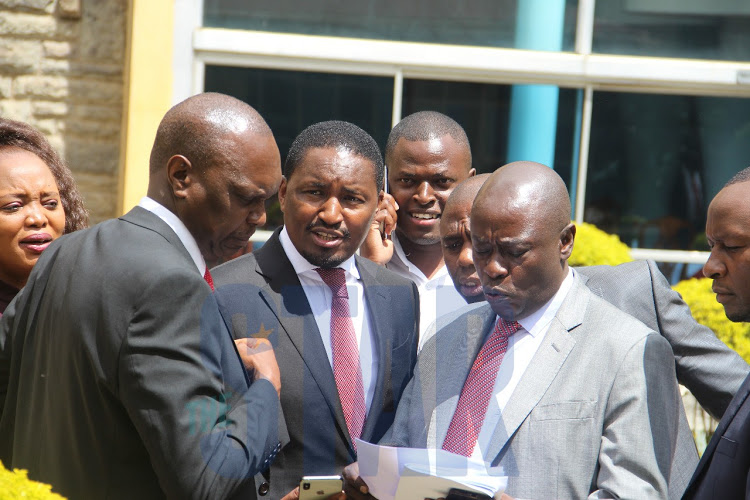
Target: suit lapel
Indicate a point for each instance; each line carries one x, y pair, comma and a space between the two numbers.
458, 358
544, 367
380, 323
284, 295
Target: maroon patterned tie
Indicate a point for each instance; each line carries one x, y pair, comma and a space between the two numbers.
464, 428
209, 279
346, 367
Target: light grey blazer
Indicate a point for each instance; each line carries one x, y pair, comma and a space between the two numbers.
712, 371
597, 411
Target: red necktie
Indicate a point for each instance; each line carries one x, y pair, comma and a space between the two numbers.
209, 279
464, 428
346, 368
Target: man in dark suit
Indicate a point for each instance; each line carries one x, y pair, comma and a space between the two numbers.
346, 349
723, 471
124, 381
705, 365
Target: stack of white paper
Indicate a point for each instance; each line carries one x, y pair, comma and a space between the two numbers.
409, 473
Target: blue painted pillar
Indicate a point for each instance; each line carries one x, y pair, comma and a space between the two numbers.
533, 108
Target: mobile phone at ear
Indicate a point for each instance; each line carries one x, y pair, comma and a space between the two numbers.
458, 494
319, 487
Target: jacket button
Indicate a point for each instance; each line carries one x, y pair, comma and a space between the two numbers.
263, 488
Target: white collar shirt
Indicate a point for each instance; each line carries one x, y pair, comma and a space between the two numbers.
178, 227
319, 296
522, 346
437, 295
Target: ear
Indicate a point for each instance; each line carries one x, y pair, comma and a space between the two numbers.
567, 237
472, 172
282, 193
179, 175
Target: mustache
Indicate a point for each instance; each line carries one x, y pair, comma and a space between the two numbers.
344, 232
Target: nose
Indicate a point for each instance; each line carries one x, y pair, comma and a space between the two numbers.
465, 257
257, 215
494, 268
424, 193
35, 216
330, 212
714, 267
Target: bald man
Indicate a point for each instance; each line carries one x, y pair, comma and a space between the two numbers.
570, 396
124, 381
712, 371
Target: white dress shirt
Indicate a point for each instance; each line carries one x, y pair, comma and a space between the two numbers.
319, 296
437, 295
521, 349
178, 227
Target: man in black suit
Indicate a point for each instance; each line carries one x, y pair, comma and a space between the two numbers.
346, 349
124, 381
723, 471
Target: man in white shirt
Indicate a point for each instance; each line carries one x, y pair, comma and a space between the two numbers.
427, 155
343, 328
579, 400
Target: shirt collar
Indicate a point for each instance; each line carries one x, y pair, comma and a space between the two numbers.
398, 252
178, 227
536, 322
302, 265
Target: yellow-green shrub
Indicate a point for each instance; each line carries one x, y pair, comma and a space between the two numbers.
594, 247
16, 484
706, 311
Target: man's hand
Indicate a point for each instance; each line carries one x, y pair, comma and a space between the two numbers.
294, 495
378, 246
354, 487
258, 356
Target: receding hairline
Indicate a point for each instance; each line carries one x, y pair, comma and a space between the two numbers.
426, 125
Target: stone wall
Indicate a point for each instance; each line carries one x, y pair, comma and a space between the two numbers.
62, 69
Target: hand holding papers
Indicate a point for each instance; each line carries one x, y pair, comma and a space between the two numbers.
409, 473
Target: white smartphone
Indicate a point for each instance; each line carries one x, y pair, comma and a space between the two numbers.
319, 487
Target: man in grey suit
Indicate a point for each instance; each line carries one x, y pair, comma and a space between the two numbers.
124, 381
333, 181
724, 469
704, 364
585, 401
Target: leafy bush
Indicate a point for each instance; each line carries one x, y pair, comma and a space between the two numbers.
706, 311
16, 484
594, 247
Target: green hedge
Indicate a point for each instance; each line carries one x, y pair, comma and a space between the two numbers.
594, 247
16, 484
706, 311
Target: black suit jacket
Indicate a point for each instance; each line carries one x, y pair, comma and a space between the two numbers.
124, 382
723, 470
260, 294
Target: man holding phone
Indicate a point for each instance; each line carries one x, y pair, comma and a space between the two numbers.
427, 154
344, 329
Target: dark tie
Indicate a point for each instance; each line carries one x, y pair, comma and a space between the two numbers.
346, 368
209, 279
475, 395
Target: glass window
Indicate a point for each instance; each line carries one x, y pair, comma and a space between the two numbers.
474, 22
656, 161
484, 112
291, 100
697, 29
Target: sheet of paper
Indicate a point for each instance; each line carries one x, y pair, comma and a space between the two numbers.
383, 467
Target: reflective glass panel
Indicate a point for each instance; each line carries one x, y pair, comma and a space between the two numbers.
696, 29
496, 23
656, 161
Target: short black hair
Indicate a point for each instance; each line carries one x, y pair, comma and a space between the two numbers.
423, 126
741, 176
335, 134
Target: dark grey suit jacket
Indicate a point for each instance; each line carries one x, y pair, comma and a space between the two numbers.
261, 294
724, 469
124, 382
705, 365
